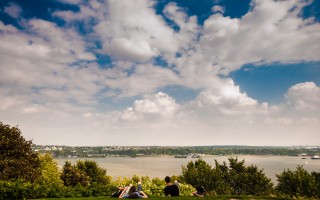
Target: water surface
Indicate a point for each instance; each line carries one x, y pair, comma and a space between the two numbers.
163, 166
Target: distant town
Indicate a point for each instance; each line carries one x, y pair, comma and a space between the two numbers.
59, 151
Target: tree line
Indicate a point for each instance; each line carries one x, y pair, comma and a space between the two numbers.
27, 174
66, 151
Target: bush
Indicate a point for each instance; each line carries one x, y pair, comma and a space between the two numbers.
233, 179
248, 180
10, 190
298, 183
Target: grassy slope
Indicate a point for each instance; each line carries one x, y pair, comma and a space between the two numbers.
178, 198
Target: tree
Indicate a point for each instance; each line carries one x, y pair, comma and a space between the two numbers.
49, 183
91, 169
84, 173
222, 179
233, 179
248, 180
198, 173
17, 161
316, 176
71, 176
50, 174
298, 183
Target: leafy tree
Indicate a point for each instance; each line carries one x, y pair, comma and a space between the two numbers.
298, 183
248, 180
49, 183
17, 161
233, 179
91, 169
84, 173
198, 173
316, 175
71, 176
222, 178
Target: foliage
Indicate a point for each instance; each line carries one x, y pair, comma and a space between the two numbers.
233, 179
71, 176
49, 183
66, 151
84, 173
316, 175
95, 173
248, 180
17, 189
198, 173
17, 161
298, 183
221, 197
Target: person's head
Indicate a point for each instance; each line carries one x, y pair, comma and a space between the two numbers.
132, 189
167, 179
201, 190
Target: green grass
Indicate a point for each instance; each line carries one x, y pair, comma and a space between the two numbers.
222, 197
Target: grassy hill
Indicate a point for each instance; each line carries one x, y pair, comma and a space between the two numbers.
222, 197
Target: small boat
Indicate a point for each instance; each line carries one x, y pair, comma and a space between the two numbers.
180, 156
315, 157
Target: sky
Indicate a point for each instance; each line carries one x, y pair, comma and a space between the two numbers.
160, 72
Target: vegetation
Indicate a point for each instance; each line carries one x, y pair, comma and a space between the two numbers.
298, 183
17, 160
87, 152
221, 197
84, 173
27, 175
235, 179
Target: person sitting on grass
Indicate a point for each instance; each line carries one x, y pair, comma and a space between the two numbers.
132, 192
171, 189
200, 192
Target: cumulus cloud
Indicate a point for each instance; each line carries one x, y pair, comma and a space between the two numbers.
145, 78
218, 9
304, 96
228, 99
157, 105
261, 36
50, 76
13, 10
136, 36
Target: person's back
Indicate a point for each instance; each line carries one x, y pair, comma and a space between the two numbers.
171, 189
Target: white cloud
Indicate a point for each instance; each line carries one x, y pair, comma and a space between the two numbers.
157, 105
304, 96
134, 32
50, 83
145, 78
13, 10
262, 35
218, 9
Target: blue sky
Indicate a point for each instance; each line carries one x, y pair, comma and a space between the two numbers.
235, 72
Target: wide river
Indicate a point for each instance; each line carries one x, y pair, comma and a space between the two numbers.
162, 166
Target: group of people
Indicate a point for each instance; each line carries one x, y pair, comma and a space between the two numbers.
171, 189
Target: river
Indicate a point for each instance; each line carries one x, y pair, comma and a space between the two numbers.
162, 166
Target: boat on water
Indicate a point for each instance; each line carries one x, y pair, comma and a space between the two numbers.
195, 156
315, 157
180, 156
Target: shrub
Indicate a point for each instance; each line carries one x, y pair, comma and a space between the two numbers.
298, 183
233, 179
